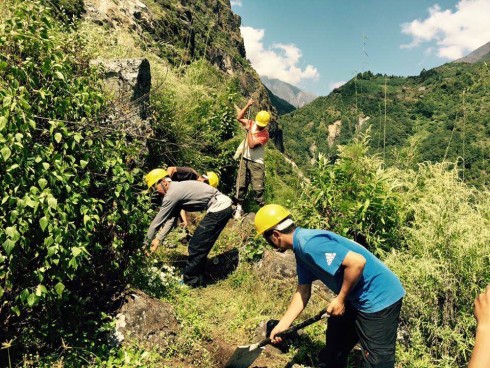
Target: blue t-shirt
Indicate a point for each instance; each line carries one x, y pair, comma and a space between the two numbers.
319, 256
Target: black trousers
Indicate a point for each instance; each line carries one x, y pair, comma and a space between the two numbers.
201, 243
376, 333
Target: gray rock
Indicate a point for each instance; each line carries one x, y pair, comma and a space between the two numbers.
278, 265
282, 266
128, 82
148, 321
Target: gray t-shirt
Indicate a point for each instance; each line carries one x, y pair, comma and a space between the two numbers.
190, 196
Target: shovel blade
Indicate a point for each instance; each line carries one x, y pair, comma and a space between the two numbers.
244, 356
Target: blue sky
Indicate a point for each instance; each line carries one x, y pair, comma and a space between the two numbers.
319, 44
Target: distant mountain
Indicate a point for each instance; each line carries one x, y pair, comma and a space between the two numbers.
282, 106
288, 92
480, 54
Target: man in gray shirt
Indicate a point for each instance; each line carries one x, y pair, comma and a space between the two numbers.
190, 196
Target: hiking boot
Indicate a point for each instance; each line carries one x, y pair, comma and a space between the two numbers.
194, 282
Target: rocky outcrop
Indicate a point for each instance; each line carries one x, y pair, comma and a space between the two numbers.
147, 321
333, 132
123, 13
361, 121
183, 31
129, 83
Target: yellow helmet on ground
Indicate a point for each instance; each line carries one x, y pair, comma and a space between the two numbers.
154, 176
213, 179
270, 216
262, 118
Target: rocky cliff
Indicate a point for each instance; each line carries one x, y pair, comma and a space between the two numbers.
183, 31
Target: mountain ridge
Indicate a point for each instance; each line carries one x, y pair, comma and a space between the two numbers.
480, 54
292, 94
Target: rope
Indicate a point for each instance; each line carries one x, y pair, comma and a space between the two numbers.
464, 131
384, 131
450, 140
241, 158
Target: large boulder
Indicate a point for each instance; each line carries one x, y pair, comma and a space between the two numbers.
128, 82
148, 321
282, 266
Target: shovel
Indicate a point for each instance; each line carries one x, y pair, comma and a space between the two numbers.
244, 356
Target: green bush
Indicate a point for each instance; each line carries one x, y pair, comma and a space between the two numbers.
354, 197
70, 212
67, 10
428, 226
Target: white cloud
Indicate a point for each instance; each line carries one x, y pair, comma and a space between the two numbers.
236, 2
455, 33
337, 85
280, 61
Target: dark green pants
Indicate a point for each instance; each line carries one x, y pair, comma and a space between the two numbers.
251, 172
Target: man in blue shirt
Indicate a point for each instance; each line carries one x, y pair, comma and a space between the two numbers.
369, 296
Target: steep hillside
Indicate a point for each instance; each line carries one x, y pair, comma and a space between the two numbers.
442, 114
72, 162
288, 92
89, 105
199, 71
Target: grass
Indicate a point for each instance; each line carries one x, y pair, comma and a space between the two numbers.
229, 312
444, 264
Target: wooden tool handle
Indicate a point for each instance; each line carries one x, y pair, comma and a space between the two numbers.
299, 326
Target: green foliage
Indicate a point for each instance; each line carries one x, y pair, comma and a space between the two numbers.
254, 250
67, 10
428, 226
197, 119
443, 265
70, 213
446, 108
354, 197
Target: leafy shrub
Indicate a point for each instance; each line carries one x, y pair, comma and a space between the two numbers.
70, 213
68, 9
354, 197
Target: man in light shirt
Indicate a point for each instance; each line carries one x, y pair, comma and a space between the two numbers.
252, 169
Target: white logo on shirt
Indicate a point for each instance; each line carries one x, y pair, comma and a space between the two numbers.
330, 257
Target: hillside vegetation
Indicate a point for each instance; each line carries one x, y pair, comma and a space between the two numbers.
74, 208
440, 115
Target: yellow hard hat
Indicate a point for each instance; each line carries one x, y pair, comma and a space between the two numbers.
213, 179
270, 216
154, 176
262, 118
